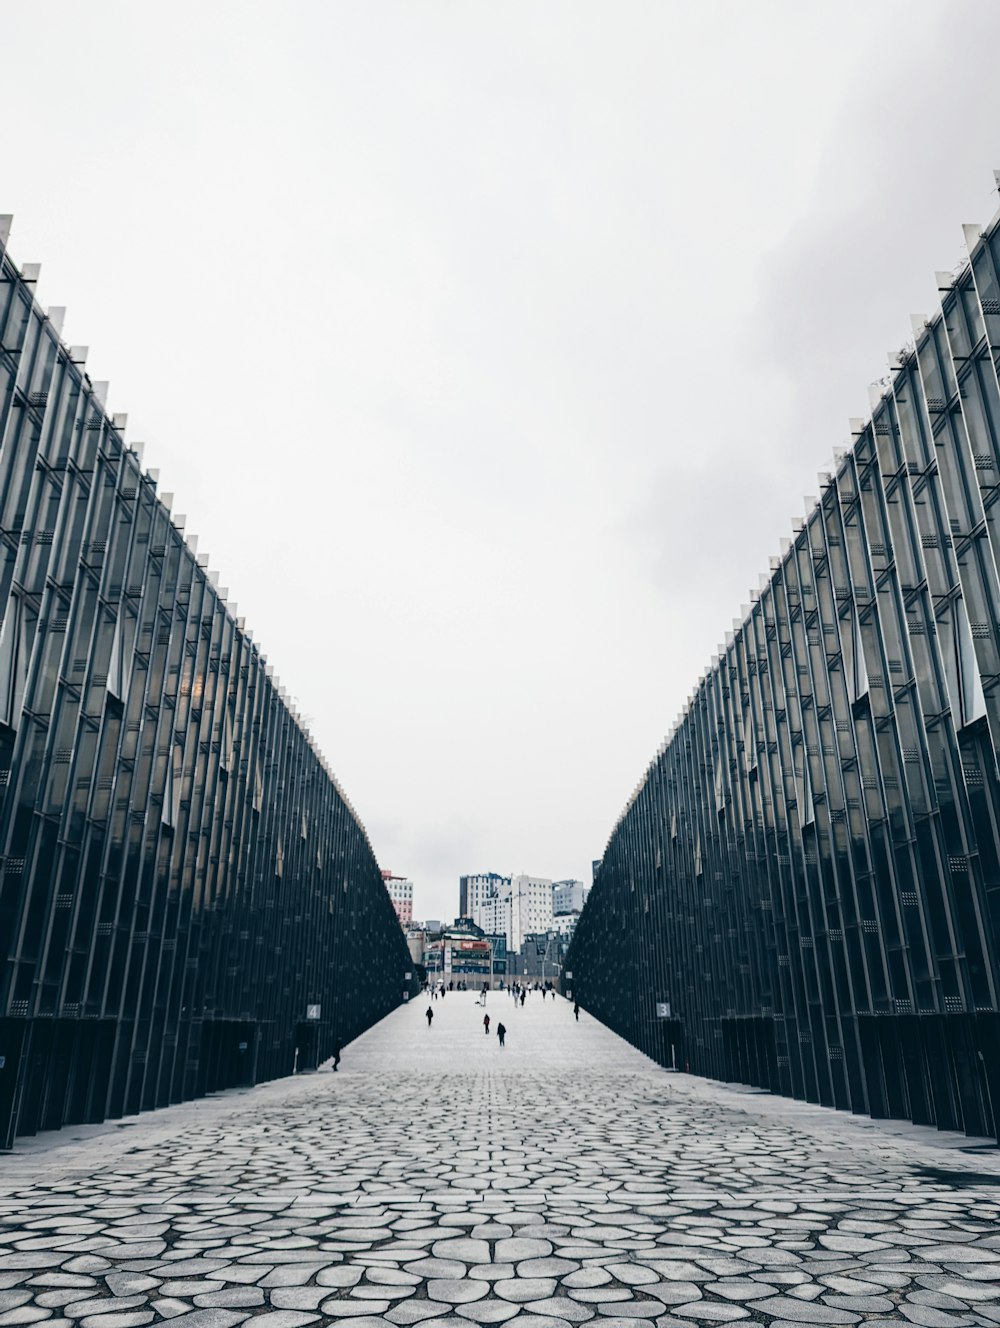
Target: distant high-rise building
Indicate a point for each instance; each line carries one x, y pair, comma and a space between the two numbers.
401, 893
519, 906
564, 924
569, 896
531, 908
493, 914
476, 891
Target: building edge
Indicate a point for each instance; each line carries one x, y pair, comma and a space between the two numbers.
130, 882
916, 1036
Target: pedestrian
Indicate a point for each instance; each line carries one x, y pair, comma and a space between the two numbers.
430, 1016
523, 994
336, 1055
501, 1033
486, 1024
576, 1011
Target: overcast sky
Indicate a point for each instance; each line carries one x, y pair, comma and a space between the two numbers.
490, 348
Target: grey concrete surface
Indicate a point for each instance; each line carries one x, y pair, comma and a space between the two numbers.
438, 1179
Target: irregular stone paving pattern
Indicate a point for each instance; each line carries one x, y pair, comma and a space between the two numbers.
440, 1180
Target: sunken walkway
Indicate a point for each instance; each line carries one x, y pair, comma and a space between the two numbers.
440, 1179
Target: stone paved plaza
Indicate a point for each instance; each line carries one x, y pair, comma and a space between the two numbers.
439, 1179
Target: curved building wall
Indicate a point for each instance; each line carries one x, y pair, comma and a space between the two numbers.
181, 878
804, 891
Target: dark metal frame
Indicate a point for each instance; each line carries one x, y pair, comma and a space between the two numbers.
809, 872
180, 874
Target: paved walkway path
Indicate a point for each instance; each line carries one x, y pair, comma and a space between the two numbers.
442, 1180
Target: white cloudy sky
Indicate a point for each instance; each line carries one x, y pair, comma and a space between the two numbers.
491, 346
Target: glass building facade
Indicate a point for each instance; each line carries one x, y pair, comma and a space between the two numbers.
804, 891
187, 900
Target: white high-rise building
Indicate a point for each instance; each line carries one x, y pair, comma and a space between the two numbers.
493, 915
569, 896
401, 893
531, 908
516, 906
564, 924
479, 893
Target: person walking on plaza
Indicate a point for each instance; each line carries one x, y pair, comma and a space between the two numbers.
501, 1033
576, 1011
523, 994
430, 1016
336, 1055
486, 1024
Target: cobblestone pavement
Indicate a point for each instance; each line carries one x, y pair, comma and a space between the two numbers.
438, 1179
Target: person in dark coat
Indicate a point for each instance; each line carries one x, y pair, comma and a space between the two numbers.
576, 1011
430, 1016
336, 1055
486, 1024
501, 1033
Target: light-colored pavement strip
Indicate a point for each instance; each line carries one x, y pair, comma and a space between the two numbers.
438, 1179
